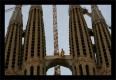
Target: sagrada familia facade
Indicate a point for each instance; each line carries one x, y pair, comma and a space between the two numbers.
30, 58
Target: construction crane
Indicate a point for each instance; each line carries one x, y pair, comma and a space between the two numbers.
55, 32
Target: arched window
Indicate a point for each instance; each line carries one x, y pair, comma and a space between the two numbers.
25, 72
75, 69
80, 69
31, 70
94, 71
63, 70
87, 69
34, 16
38, 69
43, 70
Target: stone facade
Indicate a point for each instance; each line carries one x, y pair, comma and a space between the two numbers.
31, 59
80, 43
102, 40
13, 43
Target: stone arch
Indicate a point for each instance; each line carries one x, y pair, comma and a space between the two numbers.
54, 63
64, 63
63, 71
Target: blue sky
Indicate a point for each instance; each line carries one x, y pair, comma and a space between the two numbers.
63, 26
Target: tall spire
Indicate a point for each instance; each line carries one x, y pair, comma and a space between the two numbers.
80, 42
13, 43
74, 6
16, 13
95, 9
36, 6
102, 40
94, 6
34, 45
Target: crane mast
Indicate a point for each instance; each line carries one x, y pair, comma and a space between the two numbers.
55, 33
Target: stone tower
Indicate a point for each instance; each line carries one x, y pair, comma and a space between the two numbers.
30, 58
102, 41
80, 43
34, 43
13, 43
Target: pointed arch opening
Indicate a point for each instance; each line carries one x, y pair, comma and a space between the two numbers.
63, 71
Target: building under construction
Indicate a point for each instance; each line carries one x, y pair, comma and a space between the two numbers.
85, 58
